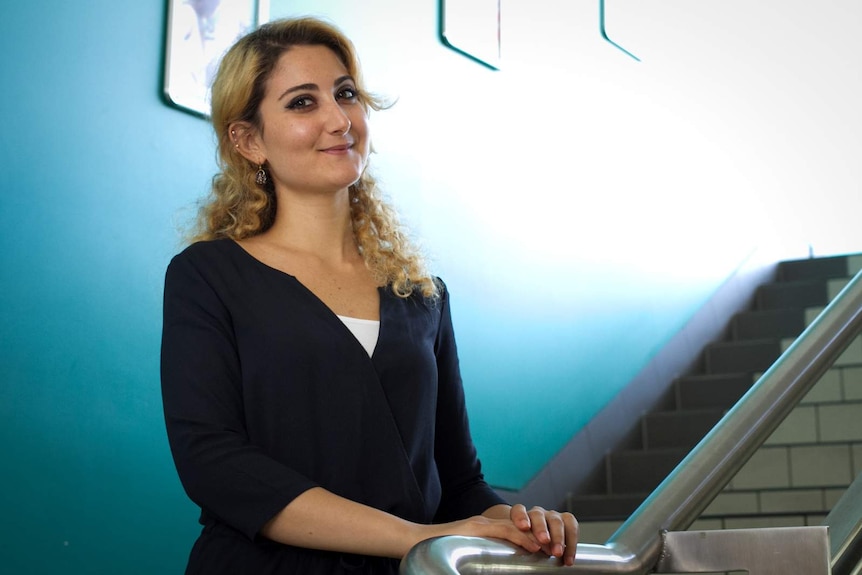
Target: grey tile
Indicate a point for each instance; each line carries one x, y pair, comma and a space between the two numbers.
597, 532
767, 468
851, 380
792, 501
707, 524
856, 455
834, 287
799, 427
730, 503
852, 355
831, 497
820, 465
840, 422
762, 522
815, 519
811, 314
827, 388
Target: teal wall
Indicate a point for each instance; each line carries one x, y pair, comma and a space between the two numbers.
94, 170
562, 199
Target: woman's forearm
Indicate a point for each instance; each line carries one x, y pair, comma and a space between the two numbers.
319, 519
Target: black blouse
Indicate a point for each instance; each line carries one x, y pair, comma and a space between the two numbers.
268, 394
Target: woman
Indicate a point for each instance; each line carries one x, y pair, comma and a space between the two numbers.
309, 371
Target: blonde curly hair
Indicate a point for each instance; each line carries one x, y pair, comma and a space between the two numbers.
239, 208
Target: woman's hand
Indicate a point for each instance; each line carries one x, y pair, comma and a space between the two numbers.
483, 526
556, 532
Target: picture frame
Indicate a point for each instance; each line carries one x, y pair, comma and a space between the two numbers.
199, 32
473, 28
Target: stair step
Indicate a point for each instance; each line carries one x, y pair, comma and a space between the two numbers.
813, 268
605, 507
786, 479
640, 471
796, 294
768, 324
716, 390
678, 429
747, 356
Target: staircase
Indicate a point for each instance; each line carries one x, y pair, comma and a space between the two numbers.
807, 463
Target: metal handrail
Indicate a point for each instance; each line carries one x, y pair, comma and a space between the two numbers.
845, 531
680, 499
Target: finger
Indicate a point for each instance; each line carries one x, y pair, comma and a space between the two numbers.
557, 531
523, 539
518, 515
497, 528
539, 525
572, 533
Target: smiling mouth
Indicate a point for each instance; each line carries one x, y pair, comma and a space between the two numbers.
340, 148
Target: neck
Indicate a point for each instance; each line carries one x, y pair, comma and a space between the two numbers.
318, 225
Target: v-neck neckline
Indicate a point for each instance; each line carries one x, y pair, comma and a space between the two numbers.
381, 298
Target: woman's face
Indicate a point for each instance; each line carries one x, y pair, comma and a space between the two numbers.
315, 130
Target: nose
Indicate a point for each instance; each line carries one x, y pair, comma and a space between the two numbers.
339, 122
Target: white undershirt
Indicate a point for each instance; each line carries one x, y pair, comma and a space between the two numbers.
364, 330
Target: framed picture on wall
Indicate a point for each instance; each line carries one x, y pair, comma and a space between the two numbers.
472, 27
199, 33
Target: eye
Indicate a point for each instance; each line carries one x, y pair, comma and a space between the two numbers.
300, 102
347, 93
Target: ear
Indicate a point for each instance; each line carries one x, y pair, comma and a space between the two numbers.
247, 142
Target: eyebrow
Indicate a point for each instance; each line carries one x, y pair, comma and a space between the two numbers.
315, 87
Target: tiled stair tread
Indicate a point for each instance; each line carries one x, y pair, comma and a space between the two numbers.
757, 338
795, 294
741, 356
682, 428
813, 268
636, 471
684, 414
772, 324
712, 390
605, 507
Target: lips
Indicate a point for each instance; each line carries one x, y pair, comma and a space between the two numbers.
338, 148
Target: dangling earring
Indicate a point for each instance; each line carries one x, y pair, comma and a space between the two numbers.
260, 178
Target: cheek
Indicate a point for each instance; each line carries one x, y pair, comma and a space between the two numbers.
298, 134
290, 136
362, 129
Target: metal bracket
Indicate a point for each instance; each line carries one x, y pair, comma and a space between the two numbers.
772, 551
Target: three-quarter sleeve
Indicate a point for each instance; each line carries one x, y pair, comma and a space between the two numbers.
230, 478
464, 490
